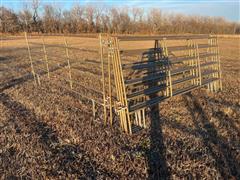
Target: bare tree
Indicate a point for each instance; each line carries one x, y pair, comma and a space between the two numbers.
8, 21
89, 14
36, 20
137, 22
25, 19
154, 20
77, 15
125, 21
112, 20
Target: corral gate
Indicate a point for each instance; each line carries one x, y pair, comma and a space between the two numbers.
158, 73
135, 79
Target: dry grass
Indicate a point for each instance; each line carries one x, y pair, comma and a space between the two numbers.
48, 132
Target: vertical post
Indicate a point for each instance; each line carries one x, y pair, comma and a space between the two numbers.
103, 80
208, 50
68, 61
144, 118
38, 79
219, 65
119, 85
122, 113
211, 51
139, 117
214, 66
93, 108
136, 118
109, 87
169, 69
199, 66
30, 58
166, 91
170, 82
192, 61
45, 56
122, 86
196, 68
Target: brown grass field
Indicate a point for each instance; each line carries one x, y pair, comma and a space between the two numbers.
48, 132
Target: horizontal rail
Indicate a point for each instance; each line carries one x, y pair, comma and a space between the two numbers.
83, 49
147, 78
205, 55
140, 51
75, 70
172, 60
84, 86
209, 80
209, 72
188, 58
129, 65
203, 46
157, 99
57, 63
182, 70
94, 36
159, 50
166, 37
209, 63
62, 46
159, 75
148, 91
147, 103
145, 64
181, 59
185, 90
182, 80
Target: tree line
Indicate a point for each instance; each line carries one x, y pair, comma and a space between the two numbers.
91, 19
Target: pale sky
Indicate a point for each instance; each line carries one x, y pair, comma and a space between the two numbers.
229, 9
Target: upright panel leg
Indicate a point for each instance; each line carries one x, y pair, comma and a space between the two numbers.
219, 67
109, 87
69, 66
30, 58
103, 80
45, 56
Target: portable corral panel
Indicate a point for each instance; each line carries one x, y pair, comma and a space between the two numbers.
165, 66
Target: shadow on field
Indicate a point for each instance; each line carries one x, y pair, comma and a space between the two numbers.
217, 146
15, 81
156, 154
62, 158
223, 102
155, 151
4, 59
156, 157
19, 80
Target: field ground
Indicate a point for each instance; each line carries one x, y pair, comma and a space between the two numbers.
48, 132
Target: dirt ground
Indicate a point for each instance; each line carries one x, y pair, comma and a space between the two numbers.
49, 132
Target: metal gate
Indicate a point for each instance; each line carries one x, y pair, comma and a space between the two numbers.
156, 73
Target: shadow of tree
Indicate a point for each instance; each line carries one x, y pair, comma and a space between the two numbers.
157, 166
19, 80
221, 151
15, 81
68, 158
5, 59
